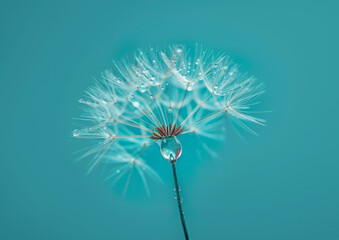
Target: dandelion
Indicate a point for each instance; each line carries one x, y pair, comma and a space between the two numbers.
156, 96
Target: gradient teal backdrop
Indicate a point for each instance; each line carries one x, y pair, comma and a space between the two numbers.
281, 185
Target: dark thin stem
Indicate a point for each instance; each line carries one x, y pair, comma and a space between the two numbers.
179, 200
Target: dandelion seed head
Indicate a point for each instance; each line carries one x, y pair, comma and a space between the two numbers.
156, 96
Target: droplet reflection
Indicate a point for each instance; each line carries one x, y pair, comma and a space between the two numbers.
170, 148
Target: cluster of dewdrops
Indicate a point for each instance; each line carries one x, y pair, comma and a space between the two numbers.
191, 88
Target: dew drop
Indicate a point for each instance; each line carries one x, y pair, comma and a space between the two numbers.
136, 104
76, 132
170, 148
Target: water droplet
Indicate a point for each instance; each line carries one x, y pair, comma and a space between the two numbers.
142, 87
151, 96
216, 87
76, 132
136, 104
170, 109
170, 148
179, 50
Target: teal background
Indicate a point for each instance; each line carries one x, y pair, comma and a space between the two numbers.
281, 185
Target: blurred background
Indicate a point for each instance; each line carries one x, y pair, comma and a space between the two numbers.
280, 185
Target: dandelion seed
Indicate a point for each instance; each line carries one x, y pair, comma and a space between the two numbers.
155, 97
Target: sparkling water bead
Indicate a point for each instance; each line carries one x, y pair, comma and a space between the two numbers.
170, 148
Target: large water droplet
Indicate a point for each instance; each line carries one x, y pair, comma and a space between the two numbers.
170, 148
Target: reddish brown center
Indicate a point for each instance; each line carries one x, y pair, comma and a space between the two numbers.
163, 131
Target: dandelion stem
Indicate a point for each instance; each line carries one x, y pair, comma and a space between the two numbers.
179, 200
